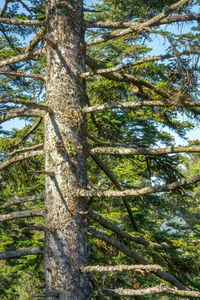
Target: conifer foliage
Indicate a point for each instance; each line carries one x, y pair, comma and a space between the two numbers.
92, 182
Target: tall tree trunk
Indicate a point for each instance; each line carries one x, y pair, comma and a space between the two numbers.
65, 147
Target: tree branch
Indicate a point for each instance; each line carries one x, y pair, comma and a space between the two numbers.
148, 291
30, 104
116, 229
138, 192
18, 74
31, 130
17, 113
113, 179
124, 77
144, 151
135, 256
138, 62
121, 25
20, 157
21, 200
120, 268
21, 214
20, 253
20, 57
25, 149
4, 8
12, 21
138, 27
106, 106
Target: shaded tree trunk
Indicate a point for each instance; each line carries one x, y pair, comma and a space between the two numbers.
65, 154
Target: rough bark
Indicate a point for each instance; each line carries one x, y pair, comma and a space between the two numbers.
65, 146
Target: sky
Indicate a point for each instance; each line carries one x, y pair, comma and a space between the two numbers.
158, 47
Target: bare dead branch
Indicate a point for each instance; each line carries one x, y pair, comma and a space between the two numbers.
120, 246
116, 229
179, 18
135, 256
30, 104
138, 27
125, 77
138, 192
21, 214
31, 130
20, 253
17, 113
20, 200
36, 40
20, 157
144, 151
165, 13
138, 62
12, 21
25, 149
18, 74
121, 25
138, 104
148, 291
20, 57
114, 180
120, 268
135, 27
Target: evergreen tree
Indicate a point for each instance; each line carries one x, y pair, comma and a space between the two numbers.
86, 81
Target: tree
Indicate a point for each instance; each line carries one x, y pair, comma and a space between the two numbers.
144, 91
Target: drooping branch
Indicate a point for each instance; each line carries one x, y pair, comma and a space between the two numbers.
20, 157
138, 62
135, 256
20, 253
138, 192
12, 21
30, 131
138, 27
144, 151
20, 57
106, 106
17, 113
123, 234
18, 74
21, 214
122, 25
20, 200
120, 268
120, 246
148, 291
114, 180
30, 104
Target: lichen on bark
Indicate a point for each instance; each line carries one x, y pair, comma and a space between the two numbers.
65, 148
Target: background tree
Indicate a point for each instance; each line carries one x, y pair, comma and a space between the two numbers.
133, 98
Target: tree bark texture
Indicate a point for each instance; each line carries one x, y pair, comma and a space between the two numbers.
65, 154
